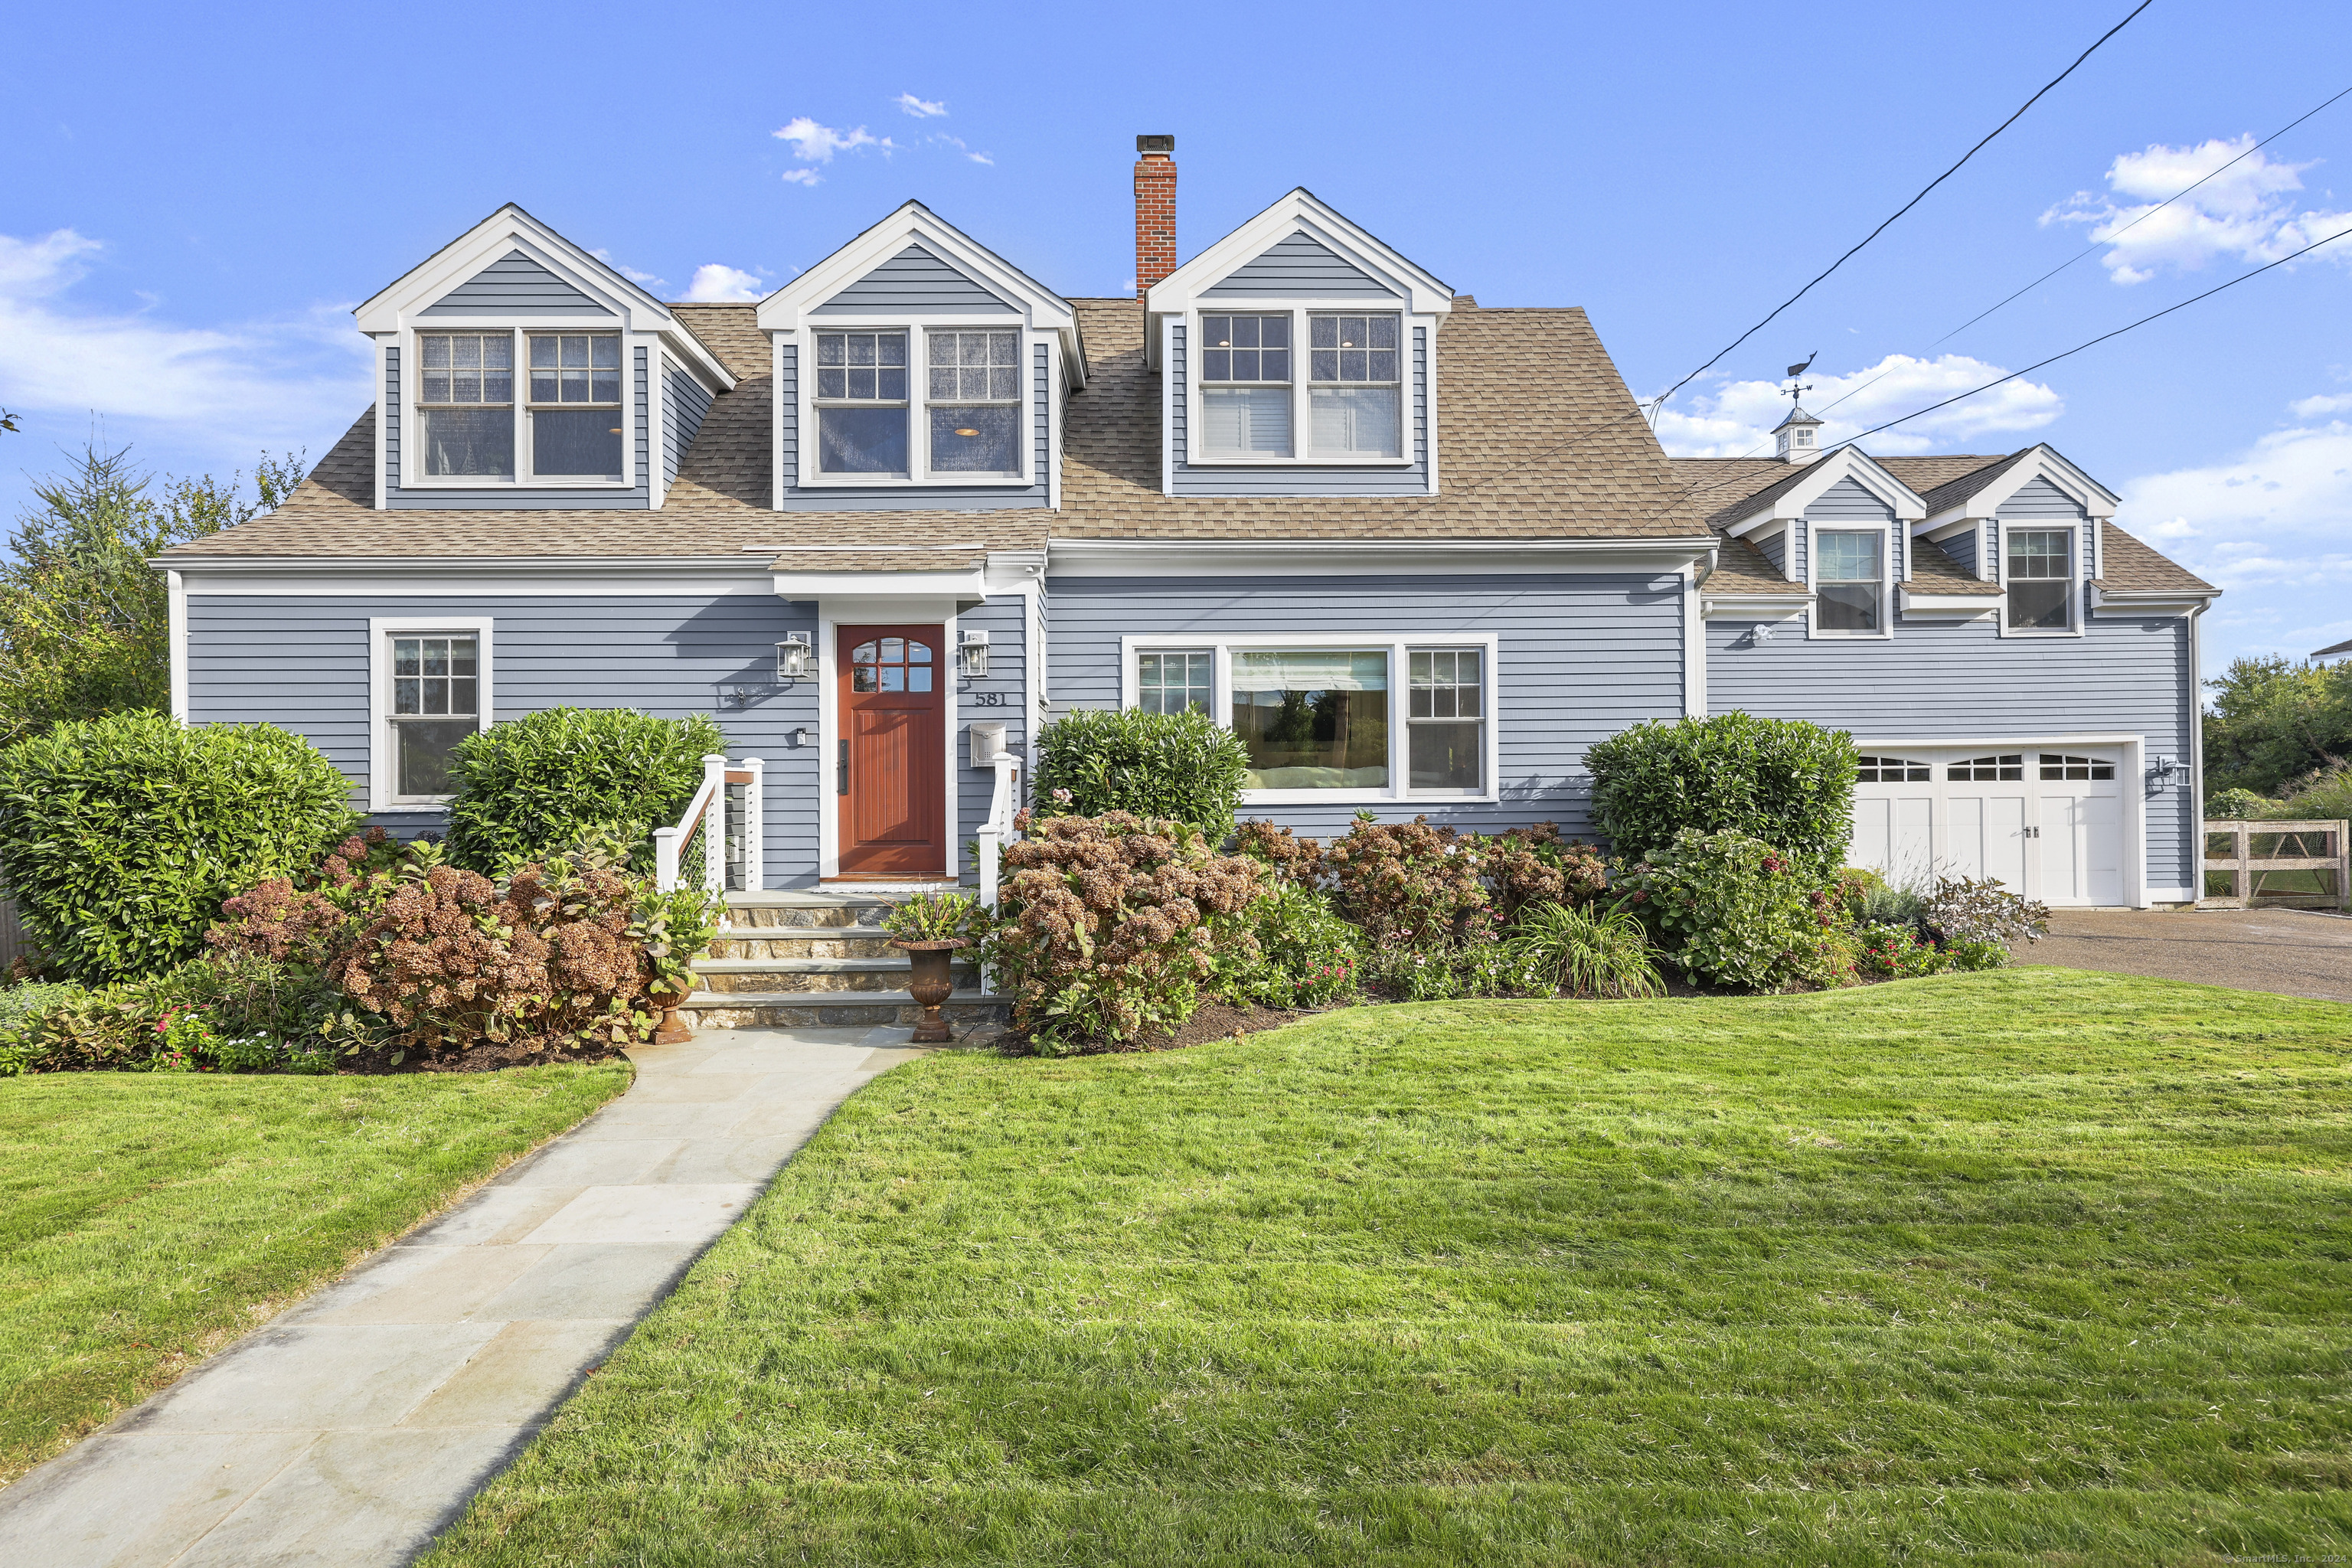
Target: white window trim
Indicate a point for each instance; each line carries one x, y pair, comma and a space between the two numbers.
2073, 529
412, 420
1301, 388
919, 475
383, 751
1395, 793
1815, 529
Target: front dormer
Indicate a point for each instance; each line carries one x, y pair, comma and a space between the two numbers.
917, 369
2033, 529
515, 370
1839, 527
1297, 358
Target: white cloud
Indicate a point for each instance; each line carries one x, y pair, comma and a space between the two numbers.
920, 109
2312, 407
1737, 419
964, 147
2246, 213
631, 273
716, 283
814, 144
2274, 515
289, 381
802, 177
981, 158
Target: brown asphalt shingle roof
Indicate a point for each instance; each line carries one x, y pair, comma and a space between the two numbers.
732, 333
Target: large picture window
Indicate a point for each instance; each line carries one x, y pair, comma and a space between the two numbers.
466, 403
1849, 581
974, 393
2040, 579
861, 403
1312, 718
1353, 386
1246, 386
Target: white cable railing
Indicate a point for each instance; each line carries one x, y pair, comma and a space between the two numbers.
717, 843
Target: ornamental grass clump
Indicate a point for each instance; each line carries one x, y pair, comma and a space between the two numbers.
1112, 928
1588, 951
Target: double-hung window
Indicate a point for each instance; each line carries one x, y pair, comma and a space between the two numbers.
861, 403
1175, 680
1353, 386
435, 703
1850, 581
1446, 722
575, 404
466, 403
2041, 587
974, 397
1245, 386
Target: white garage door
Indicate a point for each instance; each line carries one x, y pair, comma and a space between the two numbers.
2049, 824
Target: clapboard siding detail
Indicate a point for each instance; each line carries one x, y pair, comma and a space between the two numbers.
1937, 679
1305, 479
1775, 550
899, 497
514, 285
1581, 657
518, 497
997, 698
685, 400
1300, 267
914, 280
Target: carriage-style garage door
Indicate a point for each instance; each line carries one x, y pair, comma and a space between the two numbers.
2048, 824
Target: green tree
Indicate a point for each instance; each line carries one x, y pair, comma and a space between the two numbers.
2274, 721
84, 619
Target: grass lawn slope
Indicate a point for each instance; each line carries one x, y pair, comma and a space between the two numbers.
147, 1219
2023, 1267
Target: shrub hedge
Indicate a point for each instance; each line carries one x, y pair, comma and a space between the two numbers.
552, 781
119, 836
1786, 782
1178, 767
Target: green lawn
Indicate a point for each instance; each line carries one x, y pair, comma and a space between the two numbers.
2026, 1267
147, 1219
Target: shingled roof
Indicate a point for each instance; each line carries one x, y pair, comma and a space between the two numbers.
1539, 440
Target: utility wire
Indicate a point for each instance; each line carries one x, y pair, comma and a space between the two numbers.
1907, 206
2095, 244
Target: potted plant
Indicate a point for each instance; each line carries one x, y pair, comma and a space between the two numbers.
929, 928
674, 928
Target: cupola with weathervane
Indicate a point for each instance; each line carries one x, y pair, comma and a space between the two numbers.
1799, 434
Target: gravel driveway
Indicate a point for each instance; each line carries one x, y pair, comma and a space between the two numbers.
2296, 953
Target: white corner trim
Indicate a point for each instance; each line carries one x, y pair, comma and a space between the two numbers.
1694, 645
176, 589
381, 630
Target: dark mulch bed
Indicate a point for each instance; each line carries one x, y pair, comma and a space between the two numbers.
1215, 1022
481, 1059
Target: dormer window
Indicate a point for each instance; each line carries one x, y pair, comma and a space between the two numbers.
568, 427
861, 403
466, 403
575, 404
1850, 583
974, 387
1246, 386
1353, 385
2041, 587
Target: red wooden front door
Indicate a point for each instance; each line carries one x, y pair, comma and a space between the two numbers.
892, 787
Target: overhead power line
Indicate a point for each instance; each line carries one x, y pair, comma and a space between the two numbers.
1907, 206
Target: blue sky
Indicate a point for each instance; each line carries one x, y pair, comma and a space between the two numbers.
196, 198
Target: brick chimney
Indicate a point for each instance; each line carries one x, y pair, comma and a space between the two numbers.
1155, 210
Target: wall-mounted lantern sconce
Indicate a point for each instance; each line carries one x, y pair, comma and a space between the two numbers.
973, 649
1760, 633
792, 655
800, 737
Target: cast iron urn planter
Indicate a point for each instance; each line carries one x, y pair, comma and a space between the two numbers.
933, 982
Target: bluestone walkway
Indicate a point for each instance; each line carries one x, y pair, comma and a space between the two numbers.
354, 1426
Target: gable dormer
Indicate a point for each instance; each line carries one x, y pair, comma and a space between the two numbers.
917, 369
513, 369
1839, 524
2031, 527
1297, 356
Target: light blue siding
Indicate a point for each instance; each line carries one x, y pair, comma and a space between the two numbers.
1208, 479
1581, 657
1962, 548
2040, 499
997, 698
916, 281
1300, 267
515, 497
957, 498
1962, 680
1775, 550
514, 285
685, 400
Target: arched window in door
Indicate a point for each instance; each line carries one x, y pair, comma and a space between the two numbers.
890, 664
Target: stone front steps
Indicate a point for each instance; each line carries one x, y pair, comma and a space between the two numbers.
810, 958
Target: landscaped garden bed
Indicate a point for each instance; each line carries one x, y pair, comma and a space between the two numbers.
148, 1220
2028, 1265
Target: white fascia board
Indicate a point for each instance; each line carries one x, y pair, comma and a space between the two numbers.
1424, 293
1821, 475
1950, 606
788, 309
700, 361
2149, 601
1754, 606
2042, 462
1451, 557
841, 585
1013, 571
508, 228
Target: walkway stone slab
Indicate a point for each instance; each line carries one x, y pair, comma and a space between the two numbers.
352, 1428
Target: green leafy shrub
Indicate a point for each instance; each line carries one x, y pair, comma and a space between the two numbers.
1900, 952
2238, 804
2322, 796
120, 835
565, 778
262, 1015
1729, 910
1977, 953
1585, 953
1306, 956
933, 917
1111, 927
1183, 767
1782, 780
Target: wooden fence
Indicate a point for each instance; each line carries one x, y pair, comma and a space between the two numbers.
2291, 850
